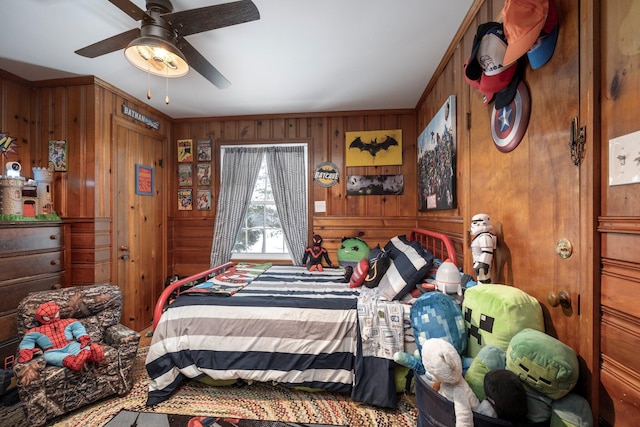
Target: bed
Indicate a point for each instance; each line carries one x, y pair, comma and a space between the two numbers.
282, 324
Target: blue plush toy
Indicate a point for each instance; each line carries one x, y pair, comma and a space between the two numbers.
434, 315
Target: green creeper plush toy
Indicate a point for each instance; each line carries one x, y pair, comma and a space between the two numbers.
494, 313
543, 363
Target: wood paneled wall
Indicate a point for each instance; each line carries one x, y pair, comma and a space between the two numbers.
375, 219
80, 111
16, 120
619, 223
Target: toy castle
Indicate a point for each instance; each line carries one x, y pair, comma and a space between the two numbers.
19, 197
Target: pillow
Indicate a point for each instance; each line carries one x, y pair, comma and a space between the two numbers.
572, 410
410, 263
436, 315
378, 264
543, 363
359, 273
490, 358
494, 313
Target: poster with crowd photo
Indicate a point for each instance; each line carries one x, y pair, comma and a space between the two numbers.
437, 160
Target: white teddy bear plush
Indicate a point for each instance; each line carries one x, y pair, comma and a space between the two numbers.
443, 363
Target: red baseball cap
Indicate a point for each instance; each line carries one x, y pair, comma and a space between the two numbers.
523, 21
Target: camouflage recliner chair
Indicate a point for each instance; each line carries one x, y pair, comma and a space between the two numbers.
47, 391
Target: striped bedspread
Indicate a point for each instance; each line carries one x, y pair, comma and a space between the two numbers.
287, 326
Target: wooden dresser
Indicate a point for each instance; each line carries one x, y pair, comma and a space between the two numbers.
31, 259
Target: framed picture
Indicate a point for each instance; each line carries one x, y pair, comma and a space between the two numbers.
375, 185
185, 150
58, 156
185, 199
203, 148
204, 174
374, 148
203, 199
437, 160
144, 180
185, 174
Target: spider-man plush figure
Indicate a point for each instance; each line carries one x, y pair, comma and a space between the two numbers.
65, 342
314, 254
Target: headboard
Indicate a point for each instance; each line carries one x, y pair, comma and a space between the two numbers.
439, 244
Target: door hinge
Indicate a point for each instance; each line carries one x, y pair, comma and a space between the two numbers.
468, 120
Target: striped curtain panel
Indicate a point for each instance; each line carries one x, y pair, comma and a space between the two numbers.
240, 169
288, 178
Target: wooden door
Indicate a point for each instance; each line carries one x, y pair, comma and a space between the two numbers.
139, 230
532, 193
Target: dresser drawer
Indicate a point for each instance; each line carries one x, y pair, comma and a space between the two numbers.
14, 291
22, 239
31, 265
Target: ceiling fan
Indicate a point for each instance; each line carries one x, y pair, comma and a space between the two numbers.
159, 47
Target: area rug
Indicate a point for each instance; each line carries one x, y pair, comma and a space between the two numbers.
254, 402
126, 418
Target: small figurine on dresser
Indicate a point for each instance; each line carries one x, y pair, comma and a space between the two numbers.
315, 254
65, 342
482, 246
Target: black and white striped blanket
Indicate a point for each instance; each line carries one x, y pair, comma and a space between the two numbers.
287, 326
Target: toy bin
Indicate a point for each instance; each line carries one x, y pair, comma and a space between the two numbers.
436, 411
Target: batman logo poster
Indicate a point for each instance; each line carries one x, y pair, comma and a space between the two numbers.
374, 148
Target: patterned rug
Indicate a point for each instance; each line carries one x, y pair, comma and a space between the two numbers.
255, 402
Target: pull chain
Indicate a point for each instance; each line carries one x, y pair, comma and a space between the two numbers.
148, 82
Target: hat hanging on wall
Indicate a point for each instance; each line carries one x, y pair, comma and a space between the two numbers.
523, 21
485, 69
531, 27
542, 49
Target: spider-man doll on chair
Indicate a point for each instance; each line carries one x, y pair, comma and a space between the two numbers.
65, 342
314, 254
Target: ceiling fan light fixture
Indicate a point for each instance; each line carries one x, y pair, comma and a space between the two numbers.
156, 56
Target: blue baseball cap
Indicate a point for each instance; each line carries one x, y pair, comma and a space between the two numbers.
542, 50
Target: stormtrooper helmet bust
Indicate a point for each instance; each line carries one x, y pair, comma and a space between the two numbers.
480, 223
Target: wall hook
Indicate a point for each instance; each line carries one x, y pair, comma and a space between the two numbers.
577, 140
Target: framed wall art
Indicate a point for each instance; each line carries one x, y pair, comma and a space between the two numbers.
373, 148
185, 199
437, 160
204, 174
203, 199
203, 149
375, 185
185, 150
144, 180
185, 174
58, 156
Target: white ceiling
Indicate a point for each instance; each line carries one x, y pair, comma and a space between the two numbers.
300, 56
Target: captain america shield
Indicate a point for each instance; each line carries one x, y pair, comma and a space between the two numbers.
508, 124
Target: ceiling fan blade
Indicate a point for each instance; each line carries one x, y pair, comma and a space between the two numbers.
201, 65
109, 45
207, 18
130, 9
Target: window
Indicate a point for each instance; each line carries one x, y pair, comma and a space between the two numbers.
261, 232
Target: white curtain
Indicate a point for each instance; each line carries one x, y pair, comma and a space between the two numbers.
287, 173
286, 167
